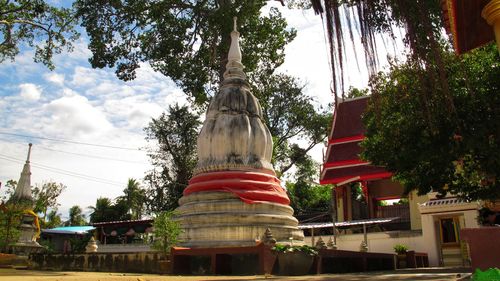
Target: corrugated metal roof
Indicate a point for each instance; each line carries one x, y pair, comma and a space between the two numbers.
108, 223
346, 223
69, 230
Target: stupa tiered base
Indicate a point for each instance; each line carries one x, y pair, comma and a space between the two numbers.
234, 208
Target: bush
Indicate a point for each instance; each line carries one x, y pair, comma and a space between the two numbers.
166, 232
400, 249
280, 248
10, 218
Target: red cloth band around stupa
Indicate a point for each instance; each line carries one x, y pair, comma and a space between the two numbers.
250, 187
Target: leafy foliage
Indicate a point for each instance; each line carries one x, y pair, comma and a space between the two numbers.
282, 248
35, 22
411, 131
400, 249
8, 190
176, 133
134, 198
45, 197
421, 21
305, 195
185, 40
76, 217
104, 210
290, 115
10, 218
53, 219
126, 207
79, 243
166, 232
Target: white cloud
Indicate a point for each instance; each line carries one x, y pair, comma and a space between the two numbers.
85, 77
76, 117
30, 91
55, 78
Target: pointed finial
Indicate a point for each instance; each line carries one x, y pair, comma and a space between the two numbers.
29, 152
22, 193
234, 67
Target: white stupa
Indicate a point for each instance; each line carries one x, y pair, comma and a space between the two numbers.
234, 194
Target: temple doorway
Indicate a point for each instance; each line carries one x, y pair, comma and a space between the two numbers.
448, 229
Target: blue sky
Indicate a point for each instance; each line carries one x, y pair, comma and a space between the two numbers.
78, 103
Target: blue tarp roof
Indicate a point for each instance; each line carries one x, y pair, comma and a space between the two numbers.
69, 229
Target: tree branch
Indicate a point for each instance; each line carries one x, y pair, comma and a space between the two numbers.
32, 23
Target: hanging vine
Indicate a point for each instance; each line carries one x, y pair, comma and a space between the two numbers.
422, 23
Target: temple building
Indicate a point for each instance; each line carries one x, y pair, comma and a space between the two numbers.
472, 24
234, 194
365, 195
361, 187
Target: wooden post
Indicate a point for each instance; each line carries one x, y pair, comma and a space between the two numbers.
365, 235
312, 236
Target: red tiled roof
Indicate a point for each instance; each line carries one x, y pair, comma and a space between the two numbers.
364, 172
342, 162
348, 121
344, 151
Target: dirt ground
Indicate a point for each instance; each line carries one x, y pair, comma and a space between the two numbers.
428, 274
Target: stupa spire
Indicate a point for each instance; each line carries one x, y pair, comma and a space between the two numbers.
234, 67
23, 189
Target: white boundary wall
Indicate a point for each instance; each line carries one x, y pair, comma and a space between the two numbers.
381, 242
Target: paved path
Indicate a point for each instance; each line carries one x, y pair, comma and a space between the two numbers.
430, 274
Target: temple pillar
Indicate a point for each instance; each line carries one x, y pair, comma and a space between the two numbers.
491, 13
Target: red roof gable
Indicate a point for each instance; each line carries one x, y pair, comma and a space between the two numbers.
348, 121
342, 161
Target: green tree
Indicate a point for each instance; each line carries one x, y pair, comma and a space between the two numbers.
426, 146
10, 219
8, 191
47, 28
305, 195
101, 211
120, 211
356, 93
53, 219
187, 41
166, 232
45, 197
134, 197
175, 134
76, 217
290, 116
105, 210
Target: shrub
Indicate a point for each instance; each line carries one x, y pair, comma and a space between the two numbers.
166, 232
280, 248
400, 249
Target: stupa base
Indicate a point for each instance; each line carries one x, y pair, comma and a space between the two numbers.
221, 219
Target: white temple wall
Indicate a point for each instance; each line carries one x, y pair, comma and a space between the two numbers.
415, 217
380, 242
429, 234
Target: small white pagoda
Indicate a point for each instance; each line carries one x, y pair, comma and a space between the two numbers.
22, 199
